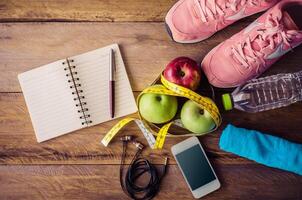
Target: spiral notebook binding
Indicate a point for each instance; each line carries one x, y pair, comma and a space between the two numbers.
77, 91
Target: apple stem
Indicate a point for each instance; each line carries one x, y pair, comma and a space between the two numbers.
201, 111
181, 73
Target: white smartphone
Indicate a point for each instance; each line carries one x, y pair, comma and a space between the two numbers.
195, 167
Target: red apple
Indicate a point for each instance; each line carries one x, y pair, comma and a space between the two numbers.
183, 71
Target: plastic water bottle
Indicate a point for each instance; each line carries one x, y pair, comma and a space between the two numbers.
265, 93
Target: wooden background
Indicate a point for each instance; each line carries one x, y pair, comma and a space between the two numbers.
76, 166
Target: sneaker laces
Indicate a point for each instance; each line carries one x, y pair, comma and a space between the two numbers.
272, 35
209, 9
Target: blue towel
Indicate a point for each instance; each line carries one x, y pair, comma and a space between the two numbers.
262, 148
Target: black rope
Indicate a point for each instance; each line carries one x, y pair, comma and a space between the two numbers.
136, 169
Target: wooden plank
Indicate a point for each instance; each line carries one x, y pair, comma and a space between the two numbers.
146, 48
251, 182
89, 10
18, 144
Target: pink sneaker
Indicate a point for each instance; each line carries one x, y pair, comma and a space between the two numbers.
190, 21
250, 52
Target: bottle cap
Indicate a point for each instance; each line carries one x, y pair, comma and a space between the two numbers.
227, 101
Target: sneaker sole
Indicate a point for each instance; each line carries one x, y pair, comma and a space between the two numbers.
183, 42
169, 31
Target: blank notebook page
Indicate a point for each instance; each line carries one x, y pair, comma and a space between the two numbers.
49, 101
93, 72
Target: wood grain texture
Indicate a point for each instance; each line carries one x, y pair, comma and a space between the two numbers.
88, 10
18, 144
76, 166
29, 45
102, 182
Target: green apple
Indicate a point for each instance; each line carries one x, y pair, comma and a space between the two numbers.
157, 108
196, 119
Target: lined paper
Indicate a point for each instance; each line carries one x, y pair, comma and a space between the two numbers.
50, 100
93, 71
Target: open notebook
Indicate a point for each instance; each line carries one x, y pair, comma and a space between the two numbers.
73, 93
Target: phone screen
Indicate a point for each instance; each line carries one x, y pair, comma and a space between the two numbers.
195, 167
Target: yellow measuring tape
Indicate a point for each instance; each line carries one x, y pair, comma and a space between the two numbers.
167, 88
